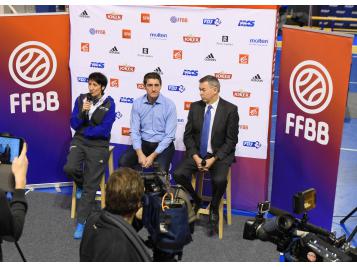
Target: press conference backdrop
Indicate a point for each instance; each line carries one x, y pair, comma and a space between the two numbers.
182, 45
35, 96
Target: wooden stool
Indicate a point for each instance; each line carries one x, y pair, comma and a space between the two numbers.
101, 186
227, 201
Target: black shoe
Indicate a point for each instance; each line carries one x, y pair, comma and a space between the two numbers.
213, 223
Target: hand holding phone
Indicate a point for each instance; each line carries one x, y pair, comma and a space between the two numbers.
19, 168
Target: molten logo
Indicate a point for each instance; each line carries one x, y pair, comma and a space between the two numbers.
145, 18
311, 87
126, 68
114, 16
125, 131
32, 64
177, 54
243, 58
140, 86
85, 47
253, 111
222, 75
126, 34
187, 105
192, 39
114, 82
241, 94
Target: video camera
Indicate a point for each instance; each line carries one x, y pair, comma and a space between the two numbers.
296, 238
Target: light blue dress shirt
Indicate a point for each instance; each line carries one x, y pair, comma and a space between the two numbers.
153, 122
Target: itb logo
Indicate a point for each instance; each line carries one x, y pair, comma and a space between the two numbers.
311, 87
32, 64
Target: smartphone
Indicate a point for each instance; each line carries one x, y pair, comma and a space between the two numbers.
10, 147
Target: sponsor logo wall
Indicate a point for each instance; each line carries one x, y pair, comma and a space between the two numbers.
182, 45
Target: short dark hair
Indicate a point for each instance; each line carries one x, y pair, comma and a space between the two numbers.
99, 78
212, 81
152, 75
124, 191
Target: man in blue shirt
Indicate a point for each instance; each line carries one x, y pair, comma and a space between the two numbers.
153, 128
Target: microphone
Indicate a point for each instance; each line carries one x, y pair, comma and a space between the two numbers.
90, 99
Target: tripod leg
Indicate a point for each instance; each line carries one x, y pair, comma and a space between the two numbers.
349, 215
349, 239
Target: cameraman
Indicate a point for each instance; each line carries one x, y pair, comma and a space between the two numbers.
12, 216
109, 234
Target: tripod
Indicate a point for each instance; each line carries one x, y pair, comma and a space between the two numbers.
355, 229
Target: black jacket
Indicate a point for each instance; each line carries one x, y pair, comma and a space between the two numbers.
105, 240
12, 216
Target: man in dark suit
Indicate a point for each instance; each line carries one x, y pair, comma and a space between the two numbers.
210, 137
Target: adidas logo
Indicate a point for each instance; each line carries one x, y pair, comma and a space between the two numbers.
257, 78
210, 57
84, 14
114, 50
158, 70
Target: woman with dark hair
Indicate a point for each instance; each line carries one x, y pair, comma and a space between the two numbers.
92, 118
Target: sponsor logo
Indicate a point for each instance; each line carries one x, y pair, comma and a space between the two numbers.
159, 71
243, 59
190, 72
93, 31
311, 87
225, 38
241, 94
114, 82
125, 131
145, 50
180, 88
126, 68
95, 64
158, 36
114, 16
140, 86
258, 42
180, 120
246, 23
177, 54
126, 100
175, 19
215, 21
85, 47
253, 111
257, 78
225, 41
252, 144
192, 39
32, 64
114, 50
210, 57
187, 105
145, 18
126, 34
84, 14
118, 115
145, 53
82, 79
223, 75
245, 127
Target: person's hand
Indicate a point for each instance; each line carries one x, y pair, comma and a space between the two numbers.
86, 105
149, 160
19, 168
141, 157
198, 161
209, 163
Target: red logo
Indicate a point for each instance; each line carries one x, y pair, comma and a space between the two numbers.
243, 58
192, 39
140, 86
187, 105
126, 33
126, 68
222, 75
125, 131
177, 54
113, 16
243, 127
241, 94
85, 47
253, 111
145, 18
114, 82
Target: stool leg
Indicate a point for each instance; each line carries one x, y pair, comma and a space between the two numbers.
74, 201
220, 222
193, 182
229, 198
102, 191
200, 183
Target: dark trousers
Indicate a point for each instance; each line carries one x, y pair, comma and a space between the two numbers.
218, 173
130, 158
86, 165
